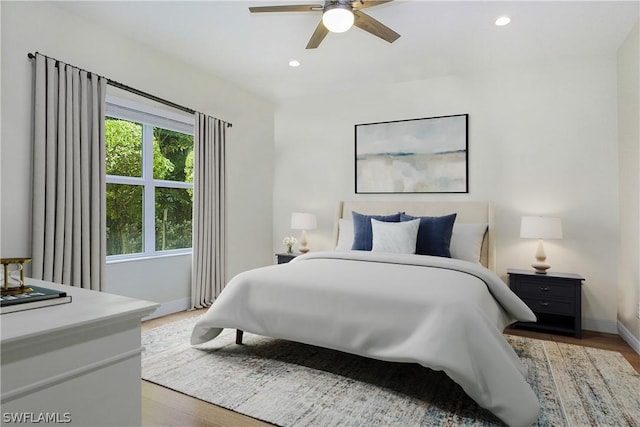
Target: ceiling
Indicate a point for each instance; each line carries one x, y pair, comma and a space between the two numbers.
437, 39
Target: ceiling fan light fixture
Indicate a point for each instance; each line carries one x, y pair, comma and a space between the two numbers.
338, 18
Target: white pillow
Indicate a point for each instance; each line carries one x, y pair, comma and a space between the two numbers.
398, 237
345, 235
466, 241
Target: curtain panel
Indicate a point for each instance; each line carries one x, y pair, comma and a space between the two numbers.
209, 270
69, 215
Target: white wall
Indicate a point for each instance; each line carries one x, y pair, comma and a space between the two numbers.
629, 153
41, 26
542, 140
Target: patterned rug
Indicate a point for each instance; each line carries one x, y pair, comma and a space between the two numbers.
292, 384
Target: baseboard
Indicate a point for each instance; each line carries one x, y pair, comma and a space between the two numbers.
170, 307
607, 326
626, 335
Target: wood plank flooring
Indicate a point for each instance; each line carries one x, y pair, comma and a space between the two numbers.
164, 407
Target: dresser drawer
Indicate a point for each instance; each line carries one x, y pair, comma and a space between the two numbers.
547, 289
561, 306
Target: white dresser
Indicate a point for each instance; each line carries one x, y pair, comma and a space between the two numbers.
75, 363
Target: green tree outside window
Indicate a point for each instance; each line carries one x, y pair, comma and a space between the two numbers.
172, 161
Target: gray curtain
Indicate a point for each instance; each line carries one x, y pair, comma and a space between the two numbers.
209, 211
68, 233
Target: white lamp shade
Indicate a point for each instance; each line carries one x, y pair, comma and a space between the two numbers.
338, 18
540, 227
303, 221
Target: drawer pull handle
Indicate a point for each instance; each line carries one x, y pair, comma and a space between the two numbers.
544, 304
544, 288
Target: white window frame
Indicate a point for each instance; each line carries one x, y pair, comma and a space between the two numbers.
149, 117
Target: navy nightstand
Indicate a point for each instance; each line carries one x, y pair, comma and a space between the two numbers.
555, 298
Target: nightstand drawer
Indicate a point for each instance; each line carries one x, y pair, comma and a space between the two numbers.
546, 289
564, 307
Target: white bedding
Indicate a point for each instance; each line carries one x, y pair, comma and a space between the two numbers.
442, 313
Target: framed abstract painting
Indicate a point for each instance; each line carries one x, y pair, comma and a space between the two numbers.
427, 155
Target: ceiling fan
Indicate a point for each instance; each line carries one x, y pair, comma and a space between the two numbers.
338, 16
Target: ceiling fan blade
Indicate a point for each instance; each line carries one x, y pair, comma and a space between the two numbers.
288, 8
363, 4
318, 35
375, 27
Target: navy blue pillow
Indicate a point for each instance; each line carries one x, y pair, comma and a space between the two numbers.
434, 234
362, 232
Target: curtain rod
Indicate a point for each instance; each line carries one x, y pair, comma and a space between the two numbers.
131, 89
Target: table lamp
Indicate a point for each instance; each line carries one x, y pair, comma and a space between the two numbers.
303, 221
539, 227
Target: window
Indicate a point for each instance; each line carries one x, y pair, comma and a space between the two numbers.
149, 168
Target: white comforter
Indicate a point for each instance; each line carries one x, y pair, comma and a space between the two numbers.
442, 313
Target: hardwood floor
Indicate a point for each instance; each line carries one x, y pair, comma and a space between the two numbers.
164, 407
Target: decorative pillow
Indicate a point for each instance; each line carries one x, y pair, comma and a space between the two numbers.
362, 234
345, 235
466, 241
434, 234
398, 237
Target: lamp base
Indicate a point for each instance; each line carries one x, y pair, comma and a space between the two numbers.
541, 268
303, 243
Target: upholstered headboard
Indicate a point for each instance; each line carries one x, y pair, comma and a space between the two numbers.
467, 212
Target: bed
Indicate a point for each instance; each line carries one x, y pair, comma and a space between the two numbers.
445, 313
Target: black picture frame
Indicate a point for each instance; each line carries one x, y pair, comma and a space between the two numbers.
427, 155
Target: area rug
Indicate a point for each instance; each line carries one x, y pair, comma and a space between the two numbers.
293, 384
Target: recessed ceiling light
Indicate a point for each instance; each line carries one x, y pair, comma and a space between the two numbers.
502, 21
294, 63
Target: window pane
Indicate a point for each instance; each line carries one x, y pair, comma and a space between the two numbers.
123, 140
172, 158
124, 219
173, 218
